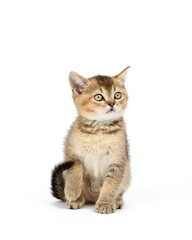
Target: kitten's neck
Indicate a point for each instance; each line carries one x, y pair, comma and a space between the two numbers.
94, 126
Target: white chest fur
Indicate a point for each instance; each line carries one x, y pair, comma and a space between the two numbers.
96, 154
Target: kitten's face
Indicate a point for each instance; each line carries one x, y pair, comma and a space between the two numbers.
100, 98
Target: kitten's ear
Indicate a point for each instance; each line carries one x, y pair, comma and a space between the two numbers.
77, 82
122, 76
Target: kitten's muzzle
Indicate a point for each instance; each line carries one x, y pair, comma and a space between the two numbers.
111, 110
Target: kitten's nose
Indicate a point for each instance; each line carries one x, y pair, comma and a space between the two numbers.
111, 104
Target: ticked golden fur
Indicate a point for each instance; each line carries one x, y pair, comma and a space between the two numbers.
97, 144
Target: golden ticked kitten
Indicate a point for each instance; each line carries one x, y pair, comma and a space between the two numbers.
96, 167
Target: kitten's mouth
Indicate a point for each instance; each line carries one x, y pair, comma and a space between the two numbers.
111, 110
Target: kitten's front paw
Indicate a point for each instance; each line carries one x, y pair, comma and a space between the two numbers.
77, 203
71, 193
105, 207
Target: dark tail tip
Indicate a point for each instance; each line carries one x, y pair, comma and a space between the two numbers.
57, 181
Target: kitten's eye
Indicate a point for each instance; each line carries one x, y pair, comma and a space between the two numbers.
98, 97
118, 95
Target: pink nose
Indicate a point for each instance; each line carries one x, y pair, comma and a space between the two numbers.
111, 104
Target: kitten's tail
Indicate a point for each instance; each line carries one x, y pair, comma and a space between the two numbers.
57, 181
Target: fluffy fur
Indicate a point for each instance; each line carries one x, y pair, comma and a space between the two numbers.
96, 165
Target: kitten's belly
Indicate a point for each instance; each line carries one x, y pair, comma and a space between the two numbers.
95, 157
95, 163
90, 196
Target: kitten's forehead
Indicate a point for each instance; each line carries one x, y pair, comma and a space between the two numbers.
103, 82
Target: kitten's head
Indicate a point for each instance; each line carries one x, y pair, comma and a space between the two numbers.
100, 98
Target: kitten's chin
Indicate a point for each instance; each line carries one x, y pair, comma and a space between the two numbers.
111, 116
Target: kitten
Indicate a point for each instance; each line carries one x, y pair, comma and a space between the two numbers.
96, 165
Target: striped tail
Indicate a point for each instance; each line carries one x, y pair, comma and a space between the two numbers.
57, 181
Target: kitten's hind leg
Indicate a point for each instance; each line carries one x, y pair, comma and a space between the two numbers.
77, 203
119, 202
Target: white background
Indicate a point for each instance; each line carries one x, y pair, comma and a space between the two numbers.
40, 43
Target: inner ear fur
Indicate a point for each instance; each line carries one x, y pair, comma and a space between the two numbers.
121, 77
77, 82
